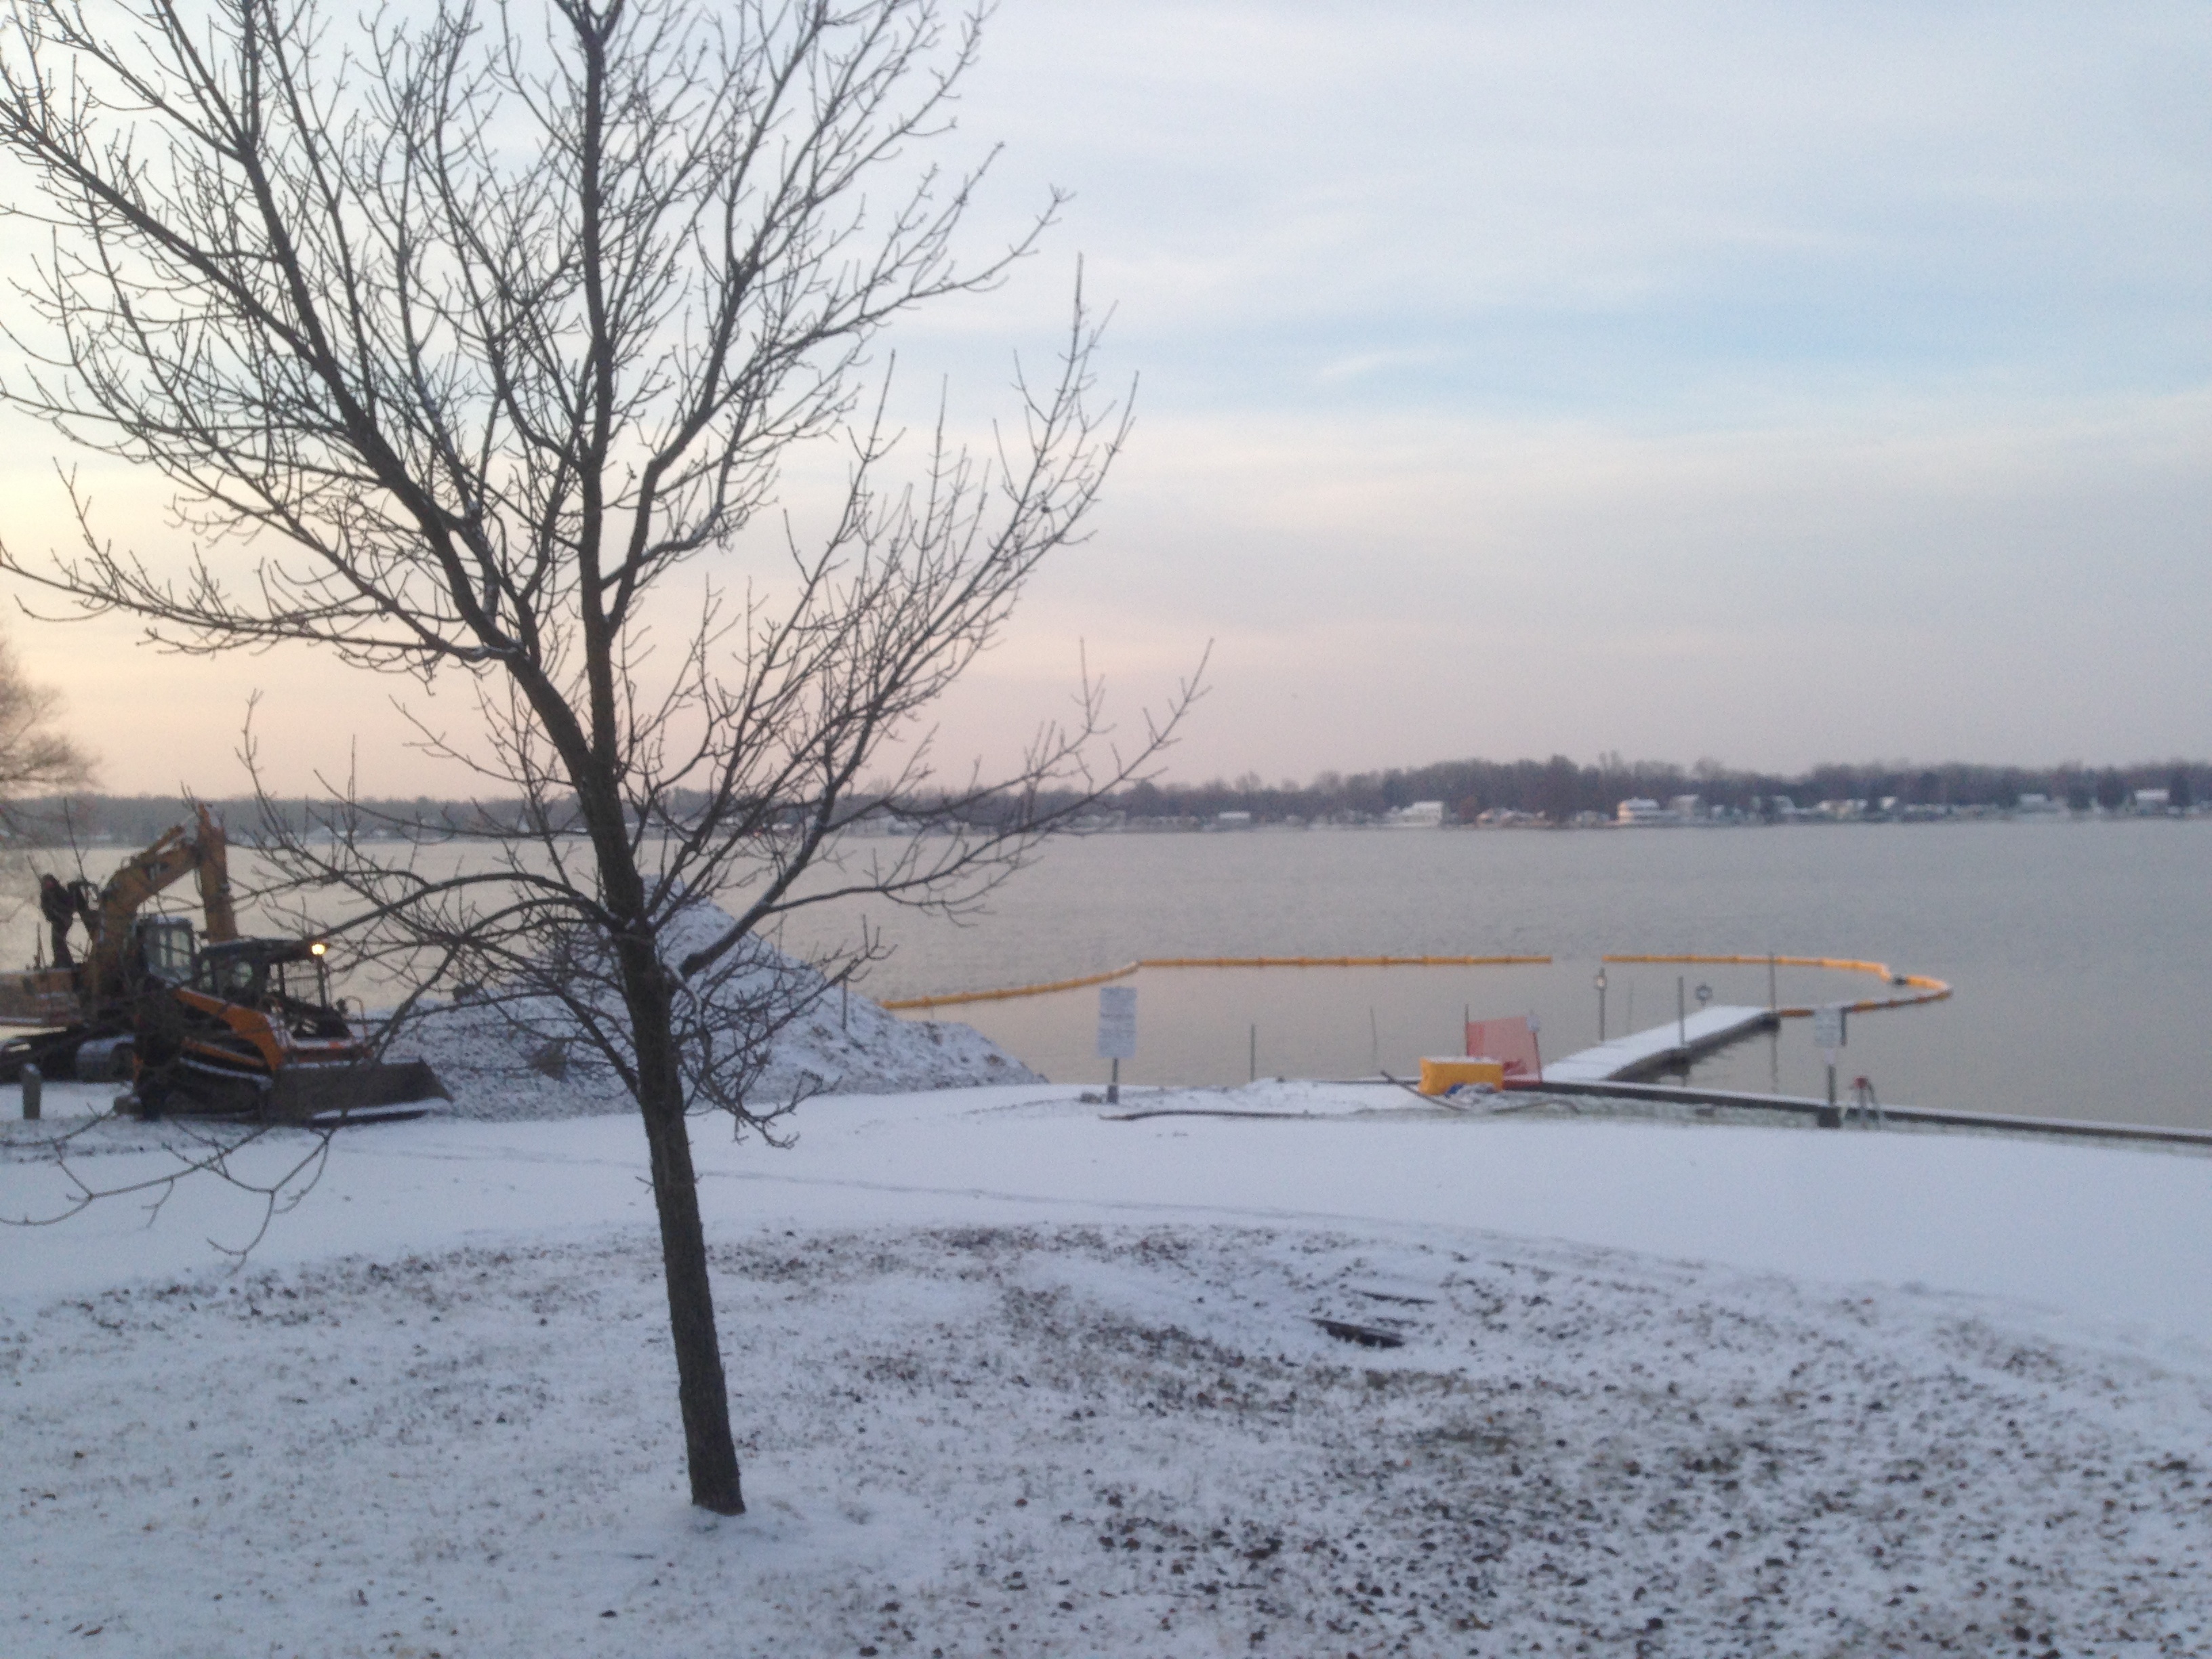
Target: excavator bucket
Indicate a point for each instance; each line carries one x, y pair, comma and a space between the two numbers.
352, 1093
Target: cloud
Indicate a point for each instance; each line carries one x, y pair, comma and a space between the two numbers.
1686, 195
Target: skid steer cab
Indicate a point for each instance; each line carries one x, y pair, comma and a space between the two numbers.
246, 1027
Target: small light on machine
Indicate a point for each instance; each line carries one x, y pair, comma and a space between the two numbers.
318, 949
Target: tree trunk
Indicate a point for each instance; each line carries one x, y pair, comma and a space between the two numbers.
700, 1390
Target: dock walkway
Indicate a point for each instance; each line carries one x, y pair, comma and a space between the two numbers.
1661, 1047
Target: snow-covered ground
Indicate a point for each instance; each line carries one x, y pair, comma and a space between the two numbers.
1014, 1377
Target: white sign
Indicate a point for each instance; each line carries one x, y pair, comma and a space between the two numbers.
1118, 1022
1828, 1026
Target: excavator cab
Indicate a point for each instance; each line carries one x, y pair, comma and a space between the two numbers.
166, 949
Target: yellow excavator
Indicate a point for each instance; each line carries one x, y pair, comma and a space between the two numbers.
219, 1025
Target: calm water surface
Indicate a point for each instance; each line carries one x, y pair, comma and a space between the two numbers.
2081, 953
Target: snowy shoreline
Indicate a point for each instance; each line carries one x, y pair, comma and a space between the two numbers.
1014, 1378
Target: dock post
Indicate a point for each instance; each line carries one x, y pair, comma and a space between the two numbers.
1113, 1083
35, 1087
1681, 1017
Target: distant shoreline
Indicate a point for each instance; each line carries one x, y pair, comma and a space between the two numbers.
1120, 825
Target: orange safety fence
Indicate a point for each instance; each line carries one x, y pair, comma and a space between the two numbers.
951, 998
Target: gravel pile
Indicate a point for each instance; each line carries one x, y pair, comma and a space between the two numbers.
507, 1058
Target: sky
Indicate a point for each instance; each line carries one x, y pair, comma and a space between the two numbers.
1776, 384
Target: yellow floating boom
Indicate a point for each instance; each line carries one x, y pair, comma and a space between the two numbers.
951, 998
1925, 988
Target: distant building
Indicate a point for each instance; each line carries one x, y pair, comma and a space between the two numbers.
1420, 815
2037, 803
2154, 800
1640, 810
1232, 820
1686, 809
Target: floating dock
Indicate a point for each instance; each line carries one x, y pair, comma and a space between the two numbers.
1663, 1048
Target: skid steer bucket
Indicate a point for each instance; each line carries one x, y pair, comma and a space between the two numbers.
302, 1093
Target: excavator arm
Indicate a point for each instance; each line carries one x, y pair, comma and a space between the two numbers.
214, 870
160, 865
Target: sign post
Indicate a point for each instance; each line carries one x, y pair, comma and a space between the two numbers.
1117, 1032
1829, 1034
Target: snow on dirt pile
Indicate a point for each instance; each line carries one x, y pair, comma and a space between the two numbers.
1075, 1440
508, 1059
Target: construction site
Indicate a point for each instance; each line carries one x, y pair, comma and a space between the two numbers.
192, 1019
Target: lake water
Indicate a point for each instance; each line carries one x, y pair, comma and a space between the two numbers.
2080, 952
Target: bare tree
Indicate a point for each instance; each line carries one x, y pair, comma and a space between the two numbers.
458, 337
35, 758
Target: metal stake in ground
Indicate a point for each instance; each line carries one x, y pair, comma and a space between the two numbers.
1117, 1033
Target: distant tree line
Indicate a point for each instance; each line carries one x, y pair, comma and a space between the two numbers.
134, 821
1555, 789
1558, 788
